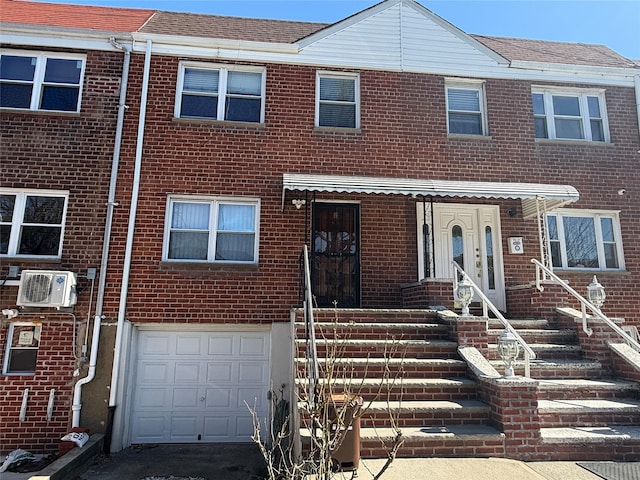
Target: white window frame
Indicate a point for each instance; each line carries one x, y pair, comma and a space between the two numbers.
38, 77
214, 202
342, 76
596, 215
17, 221
223, 70
582, 94
468, 84
9, 348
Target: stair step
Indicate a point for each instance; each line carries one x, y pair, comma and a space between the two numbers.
559, 336
583, 435
588, 412
608, 443
408, 367
522, 323
585, 388
381, 331
434, 413
357, 347
545, 351
556, 368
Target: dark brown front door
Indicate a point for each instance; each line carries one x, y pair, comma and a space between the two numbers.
336, 255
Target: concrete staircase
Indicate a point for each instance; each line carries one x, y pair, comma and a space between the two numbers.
434, 402
571, 409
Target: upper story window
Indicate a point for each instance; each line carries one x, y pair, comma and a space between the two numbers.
337, 100
466, 107
212, 229
41, 81
21, 354
32, 223
221, 93
570, 115
589, 240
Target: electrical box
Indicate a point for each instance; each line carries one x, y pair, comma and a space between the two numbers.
515, 245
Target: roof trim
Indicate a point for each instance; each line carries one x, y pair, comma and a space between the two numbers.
555, 196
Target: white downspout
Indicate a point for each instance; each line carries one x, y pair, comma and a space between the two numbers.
636, 82
126, 269
102, 281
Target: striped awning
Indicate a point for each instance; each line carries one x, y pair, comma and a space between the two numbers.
554, 196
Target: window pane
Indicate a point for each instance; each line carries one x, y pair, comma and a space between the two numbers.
60, 98
46, 210
610, 255
190, 216
337, 115
196, 80
5, 233
594, 107
464, 99
569, 128
188, 245
7, 204
552, 223
465, 123
237, 218
63, 71
338, 89
244, 83
13, 67
556, 259
580, 240
199, 106
597, 131
235, 246
457, 246
606, 224
566, 106
490, 268
538, 104
39, 240
541, 127
242, 109
15, 95
22, 360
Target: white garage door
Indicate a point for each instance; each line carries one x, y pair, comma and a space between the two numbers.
191, 386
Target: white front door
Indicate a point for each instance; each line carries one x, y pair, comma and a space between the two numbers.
192, 386
470, 235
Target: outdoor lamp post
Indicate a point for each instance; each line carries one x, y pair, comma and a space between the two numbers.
508, 348
464, 291
595, 293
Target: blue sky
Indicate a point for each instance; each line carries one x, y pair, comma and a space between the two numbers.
614, 23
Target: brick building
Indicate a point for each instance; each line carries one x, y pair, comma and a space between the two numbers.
390, 143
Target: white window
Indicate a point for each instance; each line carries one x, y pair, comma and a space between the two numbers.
32, 223
41, 81
337, 100
588, 240
212, 230
21, 352
220, 93
466, 108
570, 115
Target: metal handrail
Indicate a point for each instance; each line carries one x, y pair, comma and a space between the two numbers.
311, 353
529, 354
584, 305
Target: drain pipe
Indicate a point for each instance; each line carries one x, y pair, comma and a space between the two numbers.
636, 82
126, 269
111, 203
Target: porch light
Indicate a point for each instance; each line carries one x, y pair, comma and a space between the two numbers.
464, 291
508, 348
595, 293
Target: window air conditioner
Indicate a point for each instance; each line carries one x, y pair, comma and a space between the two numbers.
46, 288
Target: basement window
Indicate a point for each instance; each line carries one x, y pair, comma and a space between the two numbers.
23, 340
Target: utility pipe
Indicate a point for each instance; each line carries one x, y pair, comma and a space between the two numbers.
636, 83
102, 279
126, 269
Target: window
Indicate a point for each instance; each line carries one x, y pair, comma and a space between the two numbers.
32, 223
212, 230
21, 354
337, 100
41, 81
465, 108
570, 115
585, 240
218, 93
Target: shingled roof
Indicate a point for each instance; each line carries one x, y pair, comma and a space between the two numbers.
270, 31
73, 16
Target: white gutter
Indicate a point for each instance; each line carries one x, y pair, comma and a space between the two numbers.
102, 281
126, 269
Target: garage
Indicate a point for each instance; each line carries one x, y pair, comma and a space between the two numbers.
191, 387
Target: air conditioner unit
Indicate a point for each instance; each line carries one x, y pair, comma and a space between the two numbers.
46, 288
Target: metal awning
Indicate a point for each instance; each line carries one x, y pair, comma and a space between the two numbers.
554, 196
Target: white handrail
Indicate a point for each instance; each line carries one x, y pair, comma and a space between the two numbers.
311, 353
585, 304
529, 354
